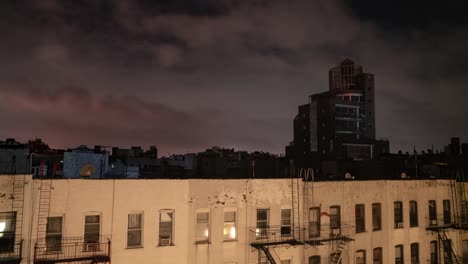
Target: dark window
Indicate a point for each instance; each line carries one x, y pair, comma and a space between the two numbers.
335, 217
415, 253
434, 250
91, 231
465, 251
7, 234
447, 213
399, 259
134, 230
54, 234
376, 216
464, 213
447, 251
314, 222
314, 260
360, 218
377, 255
398, 214
432, 212
285, 222
413, 213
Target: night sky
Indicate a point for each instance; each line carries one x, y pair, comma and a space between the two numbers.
188, 75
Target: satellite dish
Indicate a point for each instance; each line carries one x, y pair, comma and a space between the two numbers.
87, 170
403, 175
348, 176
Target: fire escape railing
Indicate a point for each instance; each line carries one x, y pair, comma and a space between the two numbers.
12, 254
71, 250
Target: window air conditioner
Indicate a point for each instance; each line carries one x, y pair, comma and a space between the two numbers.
165, 241
399, 224
433, 222
91, 247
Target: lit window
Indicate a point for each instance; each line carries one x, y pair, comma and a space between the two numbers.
7, 231
54, 233
166, 227
91, 231
230, 231
203, 226
134, 231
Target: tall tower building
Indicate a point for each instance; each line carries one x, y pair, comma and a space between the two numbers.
339, 123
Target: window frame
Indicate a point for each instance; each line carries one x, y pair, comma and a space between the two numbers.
414, 253
134, 229
230, 223
202, 239
363, 251
360, 221
376, 216
413, 213
286, 228
54, 235
86, 224
379, 255
317, 223
398, 214
171, 237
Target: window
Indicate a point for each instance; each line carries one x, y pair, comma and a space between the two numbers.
285, 222
464, 213
91, 232
398, 214
134, 231
465, 251
447, 214
447, 251
361, 257
314, 222
432, 212
335, 217
230, 229
360, 218
166, 227
203, 227
399, 254
7, 231
286, 261
377, 255
415, 253
263, 216
314, 260
376, 216
54, 233
434, 250
413, 213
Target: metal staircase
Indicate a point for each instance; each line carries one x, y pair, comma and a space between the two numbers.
45, 189
267, 255
446, 243
336, 255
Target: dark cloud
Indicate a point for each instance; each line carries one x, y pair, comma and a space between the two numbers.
185, 75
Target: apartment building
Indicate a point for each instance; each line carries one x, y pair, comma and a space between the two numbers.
230, 221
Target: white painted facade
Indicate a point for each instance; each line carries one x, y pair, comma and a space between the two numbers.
114, 200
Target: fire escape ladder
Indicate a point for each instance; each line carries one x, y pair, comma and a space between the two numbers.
18, 205
447, 245
336, 256
45, 190
296, 223
268, 255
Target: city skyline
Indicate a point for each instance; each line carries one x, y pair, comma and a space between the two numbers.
191, 75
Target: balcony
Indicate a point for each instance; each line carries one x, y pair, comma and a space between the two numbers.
276, 236
13, 254
73, 249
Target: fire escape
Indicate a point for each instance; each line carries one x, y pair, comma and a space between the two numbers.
301, 232
57, 249
12, 252
459, 222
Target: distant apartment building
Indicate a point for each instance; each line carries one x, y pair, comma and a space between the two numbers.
339, 123
241, 221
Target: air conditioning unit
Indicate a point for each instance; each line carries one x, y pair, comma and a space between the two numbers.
399, 225
336, 231
91, 247
433, 222
165, 241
